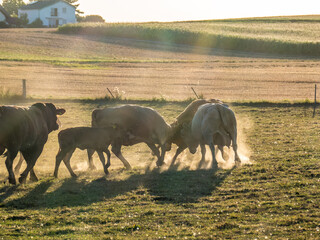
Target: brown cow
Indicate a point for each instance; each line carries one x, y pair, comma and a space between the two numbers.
183, 123
213, 124
97, 139
26, 130
142, 124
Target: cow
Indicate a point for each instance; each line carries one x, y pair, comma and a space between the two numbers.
83, 138
142, 124
213, 124
26, 130
183, 123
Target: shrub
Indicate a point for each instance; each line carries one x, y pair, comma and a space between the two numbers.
36, 23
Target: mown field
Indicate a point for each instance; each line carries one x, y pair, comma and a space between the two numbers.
274, 194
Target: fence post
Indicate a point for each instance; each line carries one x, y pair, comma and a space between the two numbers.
110, 93
24, 88
195, 93
315, 100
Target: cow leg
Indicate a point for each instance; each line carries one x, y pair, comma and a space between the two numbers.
33, 176
31, 156
214, 164
203, 156
2, 149
66, 161
11, 154
156, 152
18, 166
154, 149
90, 161
116, 149
224, 155
103, 160
179, 150
163, 153
61, 155
236, 156
235, 147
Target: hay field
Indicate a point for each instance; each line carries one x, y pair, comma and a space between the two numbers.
294, 35
67, 66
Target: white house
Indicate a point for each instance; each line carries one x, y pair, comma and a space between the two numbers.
51, 12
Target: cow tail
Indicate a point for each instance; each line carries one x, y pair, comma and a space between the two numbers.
221, 110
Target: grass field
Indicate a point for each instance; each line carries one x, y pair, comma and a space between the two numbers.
297, 35
274, 195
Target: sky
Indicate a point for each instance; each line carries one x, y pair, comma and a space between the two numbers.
181, 10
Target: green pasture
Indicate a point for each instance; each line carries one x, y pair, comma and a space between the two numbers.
295, 35
276, 196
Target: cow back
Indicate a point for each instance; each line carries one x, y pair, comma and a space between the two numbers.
144, 123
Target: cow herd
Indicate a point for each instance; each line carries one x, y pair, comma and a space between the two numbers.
203, 122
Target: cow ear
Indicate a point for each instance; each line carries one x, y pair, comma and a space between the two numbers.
60, 111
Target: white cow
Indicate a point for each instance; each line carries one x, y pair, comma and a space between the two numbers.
213, 124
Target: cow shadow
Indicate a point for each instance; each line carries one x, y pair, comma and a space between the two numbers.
183, 186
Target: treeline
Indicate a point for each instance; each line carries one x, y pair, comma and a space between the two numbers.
175, 35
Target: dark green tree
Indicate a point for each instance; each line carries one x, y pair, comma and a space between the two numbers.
12, 6
92, 18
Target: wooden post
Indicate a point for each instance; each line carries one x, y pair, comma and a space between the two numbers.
110, 93
24, 88
315, 100
195, 93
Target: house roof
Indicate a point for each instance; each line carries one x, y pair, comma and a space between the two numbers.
42, 4
4, 12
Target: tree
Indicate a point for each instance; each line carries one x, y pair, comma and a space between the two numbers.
12, 6
36, 23
92, 18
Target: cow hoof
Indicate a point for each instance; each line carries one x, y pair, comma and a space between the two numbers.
12, 181
128, 167
22, 180
34, 179
92, 167
159, 163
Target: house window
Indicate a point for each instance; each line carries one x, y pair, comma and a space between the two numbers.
54, 12
64, 10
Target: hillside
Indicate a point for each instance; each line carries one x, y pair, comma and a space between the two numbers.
295, 35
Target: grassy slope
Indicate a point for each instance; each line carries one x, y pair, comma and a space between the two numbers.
298, 35
276, 197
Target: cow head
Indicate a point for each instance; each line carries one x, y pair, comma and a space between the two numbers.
50, 113
188, 138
